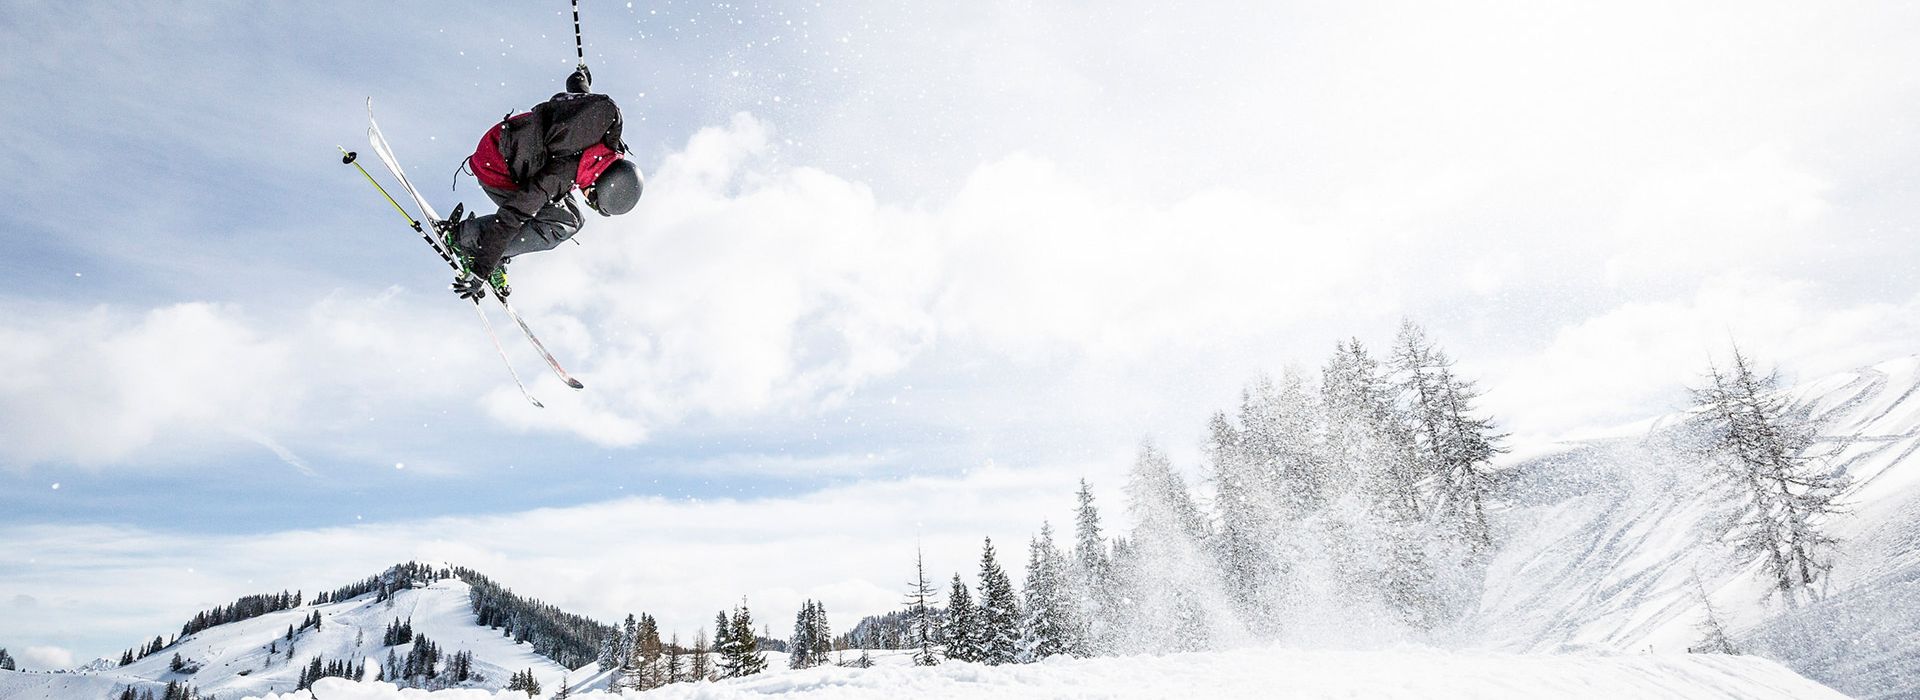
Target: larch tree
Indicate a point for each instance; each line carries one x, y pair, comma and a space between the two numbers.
1760, 447
922, 627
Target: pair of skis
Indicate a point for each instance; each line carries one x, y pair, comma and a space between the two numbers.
429, 231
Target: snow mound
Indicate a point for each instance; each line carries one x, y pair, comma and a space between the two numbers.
1251, 673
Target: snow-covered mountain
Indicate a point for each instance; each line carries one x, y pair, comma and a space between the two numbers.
1613, 544
250, 657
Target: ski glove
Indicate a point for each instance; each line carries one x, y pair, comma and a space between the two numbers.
470, 287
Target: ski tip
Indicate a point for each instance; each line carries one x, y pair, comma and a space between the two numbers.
537, 404
575, 383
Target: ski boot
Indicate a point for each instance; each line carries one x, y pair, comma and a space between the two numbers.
449, 230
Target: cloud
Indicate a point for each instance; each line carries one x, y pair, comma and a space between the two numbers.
1635, 361
1070, 226
110, 386
45, 657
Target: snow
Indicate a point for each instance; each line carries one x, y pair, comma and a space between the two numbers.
1602, 543
1251, 673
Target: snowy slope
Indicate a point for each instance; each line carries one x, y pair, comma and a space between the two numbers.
1252, 673
237, 660
1611, 542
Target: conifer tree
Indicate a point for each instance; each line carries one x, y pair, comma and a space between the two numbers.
6, 661
1046, 627
740, 653
822, 633
1760, 448
625, 651
524, 681
1169, 571
1089, 586
1379, 519
697, 667
921, 626
998, 612
609, 658
1453, 447
959, 630
1714, 639
643, 668
676, 667
801, 653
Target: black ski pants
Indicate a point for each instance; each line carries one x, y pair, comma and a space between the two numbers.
552, 225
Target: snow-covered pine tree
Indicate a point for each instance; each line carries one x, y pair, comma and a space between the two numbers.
1089, 586
997, 612
724, 647
1172, 572
801, 653
1760, 447
609, 658
822, 634
1378, 522
623, 651
524, 681
961, 619
747, 659
1245, 467
6, 661
922, 628
1046, 627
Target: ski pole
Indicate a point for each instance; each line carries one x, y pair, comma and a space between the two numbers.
351, 158
579, 44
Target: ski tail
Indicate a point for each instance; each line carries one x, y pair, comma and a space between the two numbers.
537, 345
503, 356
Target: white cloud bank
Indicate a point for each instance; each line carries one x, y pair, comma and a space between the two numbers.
96, 588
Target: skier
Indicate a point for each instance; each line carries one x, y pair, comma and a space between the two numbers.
529, 164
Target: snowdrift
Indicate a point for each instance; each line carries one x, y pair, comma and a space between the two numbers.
1235, 674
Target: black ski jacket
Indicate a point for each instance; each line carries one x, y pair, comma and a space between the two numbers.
542, 153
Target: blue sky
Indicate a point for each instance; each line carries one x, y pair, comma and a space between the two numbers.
901, 271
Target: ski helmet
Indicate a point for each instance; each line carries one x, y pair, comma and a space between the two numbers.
616, 190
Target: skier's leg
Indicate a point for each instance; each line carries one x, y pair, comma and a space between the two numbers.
546, 230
